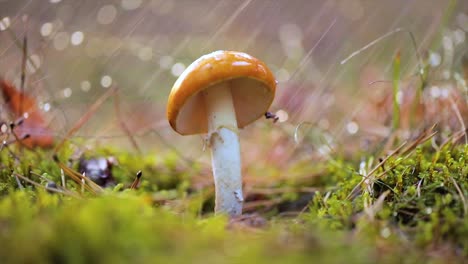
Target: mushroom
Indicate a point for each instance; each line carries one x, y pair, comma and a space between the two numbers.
216, 95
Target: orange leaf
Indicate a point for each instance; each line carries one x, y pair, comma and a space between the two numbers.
34, 125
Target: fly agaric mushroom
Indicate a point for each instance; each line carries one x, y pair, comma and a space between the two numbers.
217, 94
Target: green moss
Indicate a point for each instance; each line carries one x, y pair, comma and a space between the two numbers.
412, 212
425, 199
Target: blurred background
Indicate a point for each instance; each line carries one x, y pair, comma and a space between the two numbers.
79, 49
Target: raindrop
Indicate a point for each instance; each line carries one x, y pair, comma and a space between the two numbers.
130, 4
291, 37
428, 210
106, 14
399, 97
67, 92
446, 74
352, 127
177, 69
4, 23
324, 150
165, 62
458, 36
282, 115
435, 92
85, 86
46, 29
61, 40
444, 93
46, 107
77, 38
434, 59
145, 53
282, 75
4, 128
290, 33
385, 232
447, 43
106, 81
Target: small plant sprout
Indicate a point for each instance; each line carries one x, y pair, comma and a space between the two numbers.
137, 180
216, 95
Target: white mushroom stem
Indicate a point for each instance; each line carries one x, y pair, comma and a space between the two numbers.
225, 149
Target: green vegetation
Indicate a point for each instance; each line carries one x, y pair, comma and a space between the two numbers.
410, 208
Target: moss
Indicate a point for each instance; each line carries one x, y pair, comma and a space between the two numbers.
410, 211
424, 200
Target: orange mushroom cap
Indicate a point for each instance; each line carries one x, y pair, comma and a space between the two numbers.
252, 86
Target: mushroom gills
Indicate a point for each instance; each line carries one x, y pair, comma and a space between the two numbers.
251, 99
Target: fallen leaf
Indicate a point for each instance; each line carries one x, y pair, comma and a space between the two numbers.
22, 105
